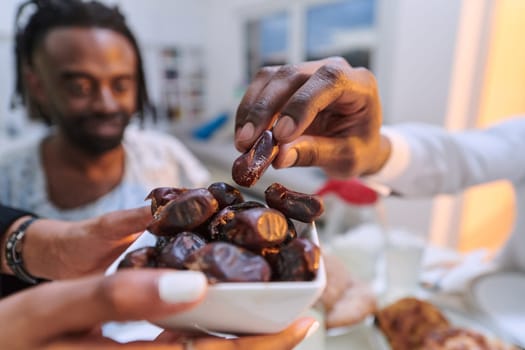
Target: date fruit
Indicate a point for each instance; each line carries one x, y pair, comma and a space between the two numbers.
224, 262
225, 194
162, 195
249, 167
187, 211
256, 228
297, 261
231, 240
294, 205
139, 258
175, 252
216, 225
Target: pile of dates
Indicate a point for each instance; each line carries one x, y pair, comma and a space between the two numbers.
214, 230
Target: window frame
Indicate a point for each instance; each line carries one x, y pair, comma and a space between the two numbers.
365, 38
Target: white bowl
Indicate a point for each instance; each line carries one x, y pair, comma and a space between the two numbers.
259, 307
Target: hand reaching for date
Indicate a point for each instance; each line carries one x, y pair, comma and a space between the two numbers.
68, 249
323, 113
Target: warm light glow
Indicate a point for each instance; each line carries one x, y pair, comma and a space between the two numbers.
489, 210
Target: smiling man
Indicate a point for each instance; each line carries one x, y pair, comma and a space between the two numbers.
79, 70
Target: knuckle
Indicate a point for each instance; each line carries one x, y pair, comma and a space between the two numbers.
338, 60
299, 100
102, 223
366, 75
332, 73
287, 71
259, 109
265, 72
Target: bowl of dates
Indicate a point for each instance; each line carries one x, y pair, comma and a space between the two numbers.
262, 259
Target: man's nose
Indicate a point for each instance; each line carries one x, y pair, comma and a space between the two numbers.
106, 101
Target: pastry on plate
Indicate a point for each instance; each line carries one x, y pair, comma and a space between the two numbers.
407, 322
338, 281
462, 339
346, 301
357, 303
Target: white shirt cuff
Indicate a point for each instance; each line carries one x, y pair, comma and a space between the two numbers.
396, 164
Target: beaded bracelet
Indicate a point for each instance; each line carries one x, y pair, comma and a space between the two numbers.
13, 252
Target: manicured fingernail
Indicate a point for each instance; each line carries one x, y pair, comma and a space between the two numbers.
284, 127
313, 328
290, 159
246, 132
182, 286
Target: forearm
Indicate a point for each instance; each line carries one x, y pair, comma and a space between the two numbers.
40, 246
428, 160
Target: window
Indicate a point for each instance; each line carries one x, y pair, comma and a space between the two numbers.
267, 41
343, 28
335, 28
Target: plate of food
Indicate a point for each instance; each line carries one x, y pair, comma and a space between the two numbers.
348, 303
413, 324
262, 260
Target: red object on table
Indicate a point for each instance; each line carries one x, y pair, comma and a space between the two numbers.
351, 191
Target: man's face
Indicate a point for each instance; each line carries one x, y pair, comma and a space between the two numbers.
86, 81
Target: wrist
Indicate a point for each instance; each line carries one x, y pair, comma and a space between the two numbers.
380, 156
4, 267
42, 248
13, 250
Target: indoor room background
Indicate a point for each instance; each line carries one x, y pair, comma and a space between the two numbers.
454, 63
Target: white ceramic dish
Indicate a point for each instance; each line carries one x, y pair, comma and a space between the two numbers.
263, 307
499, 295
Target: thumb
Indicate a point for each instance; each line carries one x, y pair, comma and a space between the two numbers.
73, 306
121, 223
337, 156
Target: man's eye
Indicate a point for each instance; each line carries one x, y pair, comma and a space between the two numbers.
122, 85
80, 88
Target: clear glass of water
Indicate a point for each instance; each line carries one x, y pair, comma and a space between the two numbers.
403, 257
361, 249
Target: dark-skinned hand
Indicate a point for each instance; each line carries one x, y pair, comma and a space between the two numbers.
323, 113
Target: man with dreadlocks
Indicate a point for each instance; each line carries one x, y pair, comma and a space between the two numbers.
79, 70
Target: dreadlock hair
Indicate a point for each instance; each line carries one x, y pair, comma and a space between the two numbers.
51, 14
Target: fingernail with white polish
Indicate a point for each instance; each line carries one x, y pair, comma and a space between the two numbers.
182, 286
313, 328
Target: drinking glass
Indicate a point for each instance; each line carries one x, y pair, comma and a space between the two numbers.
403, 257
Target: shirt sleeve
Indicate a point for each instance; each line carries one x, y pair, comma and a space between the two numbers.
428, 160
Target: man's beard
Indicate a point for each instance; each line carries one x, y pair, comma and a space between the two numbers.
78, 132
